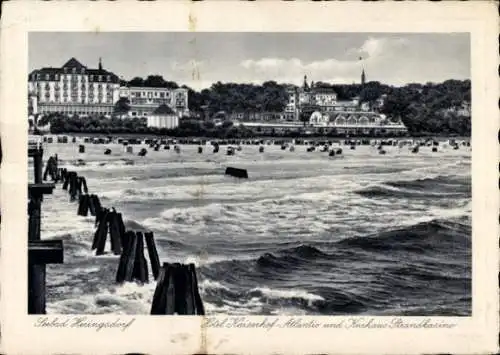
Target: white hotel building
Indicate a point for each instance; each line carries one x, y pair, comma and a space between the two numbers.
76, 89
72, 89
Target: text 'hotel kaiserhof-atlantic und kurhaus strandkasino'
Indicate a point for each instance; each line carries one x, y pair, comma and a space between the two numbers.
75, 89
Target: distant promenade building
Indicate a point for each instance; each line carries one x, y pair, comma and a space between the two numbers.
77, 89
72, 89
163, 117
145, 100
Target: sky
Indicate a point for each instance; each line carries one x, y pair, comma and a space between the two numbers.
198, 59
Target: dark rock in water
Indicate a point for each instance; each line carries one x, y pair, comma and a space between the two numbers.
239, 173
107, 152
455, 147
283, 147
200, 150
81, 148
143, 152
379, 147
436, 143
157, 147
415, 149
261, 149
239, 148
332, 153
73, 140
230, 151
353, 147
381, 151
434, 149
216, 149
167, 147
338, 151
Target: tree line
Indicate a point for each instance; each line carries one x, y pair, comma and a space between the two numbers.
431, 108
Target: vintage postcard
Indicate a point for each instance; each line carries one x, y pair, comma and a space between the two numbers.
249, 177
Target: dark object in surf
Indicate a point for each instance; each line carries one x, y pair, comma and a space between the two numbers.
95, 207
142, 152
353, 147
311, 149
338, 151
239, 173
435, 143
381, 151
133, 265
167, 147
177, 149
82, 185
216, 148
415, 149
331, 153
109, 221
230, 151
107, 152
81, 148
434, 149
83, 205
177, 291
283, 147
73, 140
200, 150
261, 149
157, 148
51, 169
455, 147
71, 184
153, 254
379, 147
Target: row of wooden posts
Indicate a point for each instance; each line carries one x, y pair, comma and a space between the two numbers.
177, 286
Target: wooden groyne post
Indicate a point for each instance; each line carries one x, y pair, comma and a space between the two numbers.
177, 291
133, 264
40, 252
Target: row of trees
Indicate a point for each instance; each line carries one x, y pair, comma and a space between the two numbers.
423, 108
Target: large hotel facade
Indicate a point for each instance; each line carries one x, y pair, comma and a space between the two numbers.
77, 89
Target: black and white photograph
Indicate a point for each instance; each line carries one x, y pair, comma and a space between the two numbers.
250, 173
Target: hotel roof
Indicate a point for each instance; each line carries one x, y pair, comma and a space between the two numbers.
68, 67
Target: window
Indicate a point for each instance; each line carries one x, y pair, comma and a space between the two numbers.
100, 77
38, 77
91, 78
108, 78
82, 70
162, 94
73, 71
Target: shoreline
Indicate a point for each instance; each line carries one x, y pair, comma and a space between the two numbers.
257, 137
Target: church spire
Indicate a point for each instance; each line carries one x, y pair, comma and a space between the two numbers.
100, 63
363, 77
305, 83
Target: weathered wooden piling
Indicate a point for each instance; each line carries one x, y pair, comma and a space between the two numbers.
177, 291
94, 205
200, 150
132, 265
153, 254
83, 205
108, 221
81, 148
